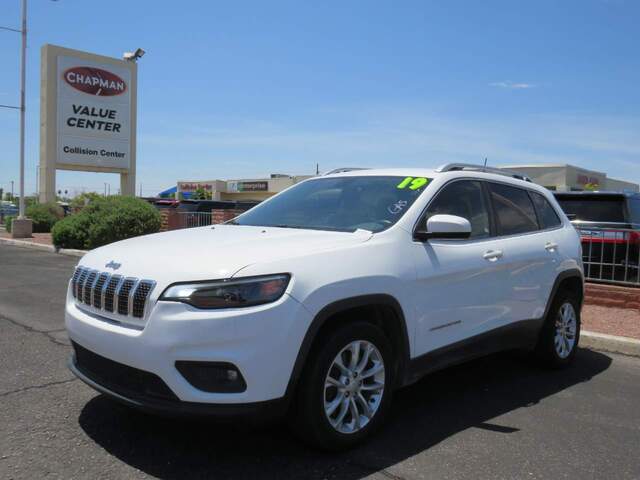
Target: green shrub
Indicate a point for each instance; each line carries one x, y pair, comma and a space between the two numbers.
84, 199
106, 220
72, 232
44, 216
7, 222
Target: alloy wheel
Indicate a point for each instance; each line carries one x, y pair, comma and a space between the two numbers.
354, 386
566, 326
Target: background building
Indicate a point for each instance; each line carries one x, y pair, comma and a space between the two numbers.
569, 178
238, 190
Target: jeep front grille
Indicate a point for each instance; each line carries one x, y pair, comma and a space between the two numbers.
123, 295
97, 289
110, 292
88, 285
114, 294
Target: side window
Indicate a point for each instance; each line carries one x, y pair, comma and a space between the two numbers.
634, 210
465, 199
513, 209
546, 213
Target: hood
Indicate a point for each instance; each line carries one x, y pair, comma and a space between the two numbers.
208, 253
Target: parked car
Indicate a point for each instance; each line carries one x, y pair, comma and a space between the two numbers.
318, 303
609, 225
7, 209
66, 208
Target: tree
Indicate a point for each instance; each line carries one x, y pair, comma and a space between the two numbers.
84, 199
201, 194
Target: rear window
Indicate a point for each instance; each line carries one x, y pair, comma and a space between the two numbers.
546, 214
513, 209
593, 209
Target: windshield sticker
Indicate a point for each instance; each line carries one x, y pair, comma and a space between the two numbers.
397, 207
414, 183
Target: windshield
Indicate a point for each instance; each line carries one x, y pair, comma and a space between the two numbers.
593, 209
342, 204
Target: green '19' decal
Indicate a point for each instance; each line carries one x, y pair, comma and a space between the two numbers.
413, 183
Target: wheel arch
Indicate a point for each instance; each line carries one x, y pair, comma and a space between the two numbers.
571, 280
387, 314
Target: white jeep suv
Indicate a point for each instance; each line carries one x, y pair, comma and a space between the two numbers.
324, 299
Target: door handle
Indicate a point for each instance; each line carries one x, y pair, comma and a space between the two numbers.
492, 255
550, 246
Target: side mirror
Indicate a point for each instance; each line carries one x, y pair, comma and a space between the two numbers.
445, 227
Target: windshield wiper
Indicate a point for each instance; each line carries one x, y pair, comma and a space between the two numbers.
284, 225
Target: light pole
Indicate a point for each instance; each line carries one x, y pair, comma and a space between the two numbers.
23, 62
22, 227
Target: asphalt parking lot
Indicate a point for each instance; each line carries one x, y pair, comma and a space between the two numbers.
499, 417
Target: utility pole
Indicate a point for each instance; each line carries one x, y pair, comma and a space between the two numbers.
12, 191
22, 227
23, 64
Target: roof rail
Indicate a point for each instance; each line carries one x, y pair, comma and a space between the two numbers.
451, 167
344, 169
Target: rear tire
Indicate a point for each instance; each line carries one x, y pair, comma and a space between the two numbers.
560, 334
339, 401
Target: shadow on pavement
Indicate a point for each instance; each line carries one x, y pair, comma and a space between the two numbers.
423, 415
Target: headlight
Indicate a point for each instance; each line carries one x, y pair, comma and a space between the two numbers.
233, 293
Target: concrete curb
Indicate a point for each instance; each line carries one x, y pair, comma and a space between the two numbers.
610, 343
45, 248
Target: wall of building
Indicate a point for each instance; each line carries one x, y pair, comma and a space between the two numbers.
621, 186
565, 178
550, 176
243, 189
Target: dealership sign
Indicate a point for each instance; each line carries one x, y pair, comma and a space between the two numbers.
95, 81
88, 116
94, 106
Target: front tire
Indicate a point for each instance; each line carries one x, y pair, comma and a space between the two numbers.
560, 333
345, 390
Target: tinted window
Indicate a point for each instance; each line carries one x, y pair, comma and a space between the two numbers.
513, 208
464, 199
593, 209
339, 203
634, 209
546, 214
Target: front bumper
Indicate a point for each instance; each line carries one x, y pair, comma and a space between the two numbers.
174, 407
261, 341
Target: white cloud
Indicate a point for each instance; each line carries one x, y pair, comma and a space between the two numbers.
513, 85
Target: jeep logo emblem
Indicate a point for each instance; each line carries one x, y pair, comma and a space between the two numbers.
113, 265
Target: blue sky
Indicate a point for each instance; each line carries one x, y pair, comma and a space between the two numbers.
243, 89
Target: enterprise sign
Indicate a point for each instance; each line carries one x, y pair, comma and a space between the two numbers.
257, 186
